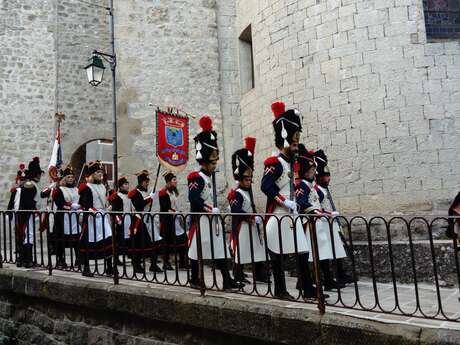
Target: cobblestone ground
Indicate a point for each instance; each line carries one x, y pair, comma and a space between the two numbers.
363, 299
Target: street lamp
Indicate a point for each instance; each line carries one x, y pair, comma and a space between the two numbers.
95, 70
95, 73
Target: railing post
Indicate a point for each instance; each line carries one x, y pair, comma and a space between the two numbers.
3, 230
316, 268
199, 250
50, 263
116, 279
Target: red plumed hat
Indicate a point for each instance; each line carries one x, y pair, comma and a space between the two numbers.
205, 123
250, 144
206, 142
278, 109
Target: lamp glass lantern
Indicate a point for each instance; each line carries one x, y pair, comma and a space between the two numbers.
95, 70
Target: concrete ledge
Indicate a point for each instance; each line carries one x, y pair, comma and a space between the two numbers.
248, 320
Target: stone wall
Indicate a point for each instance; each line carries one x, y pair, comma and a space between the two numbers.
169, 55
45, 45
37, 309
379, 98
27, 79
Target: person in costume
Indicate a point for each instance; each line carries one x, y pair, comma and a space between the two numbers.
453, 226
285, 235
309, 203
172, 229
125, 236
247, 239
145, 236
20, 175
66, 229
26, 197
96, 235
200, 196
323, 178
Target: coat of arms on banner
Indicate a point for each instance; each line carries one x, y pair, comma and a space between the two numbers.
172, 140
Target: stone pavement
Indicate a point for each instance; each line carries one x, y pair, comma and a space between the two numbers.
339, 302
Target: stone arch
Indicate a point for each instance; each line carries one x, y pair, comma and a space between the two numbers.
76, 154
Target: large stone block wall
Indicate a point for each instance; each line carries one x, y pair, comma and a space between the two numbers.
27, 79
37, 309
379, 98
169, 55
45, 45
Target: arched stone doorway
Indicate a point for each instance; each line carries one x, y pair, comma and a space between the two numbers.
100, 149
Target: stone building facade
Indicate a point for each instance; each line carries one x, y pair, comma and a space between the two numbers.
375, 93
45, 45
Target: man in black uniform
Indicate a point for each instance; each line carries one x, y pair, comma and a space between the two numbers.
145, 237
172, 230
25, 197
66, 229
120, 202
285, 235
96, 236
200, 195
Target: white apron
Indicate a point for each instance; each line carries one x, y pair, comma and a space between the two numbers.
126, 216
207, 232
338, 244
34, 221
288, 234
179, 229
151, 221
70, 219
103, 228
247, 233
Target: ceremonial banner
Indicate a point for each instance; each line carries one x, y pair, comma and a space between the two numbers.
172, 140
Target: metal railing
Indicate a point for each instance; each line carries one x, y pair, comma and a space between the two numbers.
400, 265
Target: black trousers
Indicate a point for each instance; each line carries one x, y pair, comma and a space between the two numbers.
304, 281
221, 264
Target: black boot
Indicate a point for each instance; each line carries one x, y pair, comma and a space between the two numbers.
86, 270
329, 282
108, 266
194, 275
261, 271
20, 256
228, 282
304, 282
343, 277
153, 264
280, 280
238, 274
137, 267
27, 256
183, 260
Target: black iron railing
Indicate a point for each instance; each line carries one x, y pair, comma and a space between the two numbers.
400, 265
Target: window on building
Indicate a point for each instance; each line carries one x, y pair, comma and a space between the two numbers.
442, 18
246, 60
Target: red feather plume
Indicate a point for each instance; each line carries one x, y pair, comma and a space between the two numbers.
22, 166
278, 109
250, 144
205, 123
